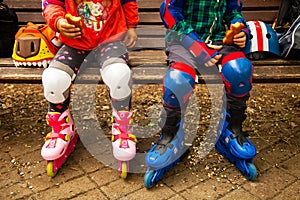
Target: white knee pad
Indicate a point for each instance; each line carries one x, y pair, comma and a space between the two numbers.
56, 85
117, 76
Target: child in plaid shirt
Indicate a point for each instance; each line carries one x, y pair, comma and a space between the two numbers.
194, 41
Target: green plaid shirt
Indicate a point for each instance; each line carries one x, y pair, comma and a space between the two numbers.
207, 18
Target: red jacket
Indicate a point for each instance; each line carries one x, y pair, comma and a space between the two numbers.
102, 19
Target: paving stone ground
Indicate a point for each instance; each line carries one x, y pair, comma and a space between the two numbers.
23, 176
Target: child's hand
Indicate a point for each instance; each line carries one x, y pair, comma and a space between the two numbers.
235, 29
240, 39
215, 59
68, 30
130, 38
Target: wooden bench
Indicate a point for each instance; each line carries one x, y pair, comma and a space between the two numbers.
147, 59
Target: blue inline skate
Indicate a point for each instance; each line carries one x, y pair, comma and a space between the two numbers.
178, 85
234, 144
164, 155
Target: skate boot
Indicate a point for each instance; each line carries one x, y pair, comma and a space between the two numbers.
123, 141
234, 144
164, 154
60, 142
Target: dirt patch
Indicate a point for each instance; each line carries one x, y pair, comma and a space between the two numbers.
273, 115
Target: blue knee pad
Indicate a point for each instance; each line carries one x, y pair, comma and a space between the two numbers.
178, 84
237, 75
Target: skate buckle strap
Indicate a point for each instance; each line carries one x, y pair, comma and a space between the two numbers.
200, 50
162, 145
53, 117
123, 139
53, 120
124, 136
241, 137
235, 135
53, 135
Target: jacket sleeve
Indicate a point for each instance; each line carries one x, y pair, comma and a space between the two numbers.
234, 14
131, 13
173, 19
52, 11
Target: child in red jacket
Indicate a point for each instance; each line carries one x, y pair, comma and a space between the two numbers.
106, 28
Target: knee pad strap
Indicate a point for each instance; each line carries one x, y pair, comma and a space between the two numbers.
178, 84
65, 68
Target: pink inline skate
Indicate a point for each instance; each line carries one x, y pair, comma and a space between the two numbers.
123, 141
60, 142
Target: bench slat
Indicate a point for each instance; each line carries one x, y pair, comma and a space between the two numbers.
151, 30
150, 17
143, 4
154, 74
247, 4
35, 17
268, 16
150, 43
21, 4
260, 4
137, 58
153, 18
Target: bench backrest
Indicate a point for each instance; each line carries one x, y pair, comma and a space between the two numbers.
151, 31
30, 10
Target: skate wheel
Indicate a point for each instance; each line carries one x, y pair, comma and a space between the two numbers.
123, 172
148, 183
50, 171
252, 171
